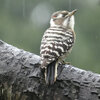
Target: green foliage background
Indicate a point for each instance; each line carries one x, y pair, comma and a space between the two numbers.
23, 22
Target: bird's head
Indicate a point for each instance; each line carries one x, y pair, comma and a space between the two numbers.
63, 18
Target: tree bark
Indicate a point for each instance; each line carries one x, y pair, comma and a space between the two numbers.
22, 79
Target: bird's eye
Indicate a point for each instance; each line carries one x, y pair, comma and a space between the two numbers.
64, 14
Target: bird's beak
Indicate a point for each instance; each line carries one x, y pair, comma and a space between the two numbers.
72, 12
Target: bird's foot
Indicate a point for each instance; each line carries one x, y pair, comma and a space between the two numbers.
63, 62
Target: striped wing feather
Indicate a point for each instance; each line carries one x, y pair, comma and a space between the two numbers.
56, 42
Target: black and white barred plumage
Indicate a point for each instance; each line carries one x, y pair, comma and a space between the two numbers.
56, 43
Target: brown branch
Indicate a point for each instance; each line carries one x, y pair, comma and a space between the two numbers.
22, 79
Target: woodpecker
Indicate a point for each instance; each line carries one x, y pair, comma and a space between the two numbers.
56, 43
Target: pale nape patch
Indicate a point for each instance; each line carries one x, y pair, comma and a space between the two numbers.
52, 24
59, 16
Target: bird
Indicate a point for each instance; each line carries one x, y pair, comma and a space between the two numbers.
57, 43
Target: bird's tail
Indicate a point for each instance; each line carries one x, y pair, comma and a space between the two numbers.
51, 73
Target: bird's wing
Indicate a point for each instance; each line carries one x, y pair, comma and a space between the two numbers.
54, 45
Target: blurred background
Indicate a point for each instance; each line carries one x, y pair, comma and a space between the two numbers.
23, 22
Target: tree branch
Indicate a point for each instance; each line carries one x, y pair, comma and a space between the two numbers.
22, 79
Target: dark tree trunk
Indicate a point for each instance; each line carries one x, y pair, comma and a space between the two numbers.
22, 79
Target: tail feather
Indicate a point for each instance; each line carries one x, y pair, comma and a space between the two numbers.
51, 73
52, 78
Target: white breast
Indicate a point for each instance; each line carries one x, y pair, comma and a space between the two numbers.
69, 22
72, 22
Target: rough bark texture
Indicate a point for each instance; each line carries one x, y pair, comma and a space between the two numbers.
22, 79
